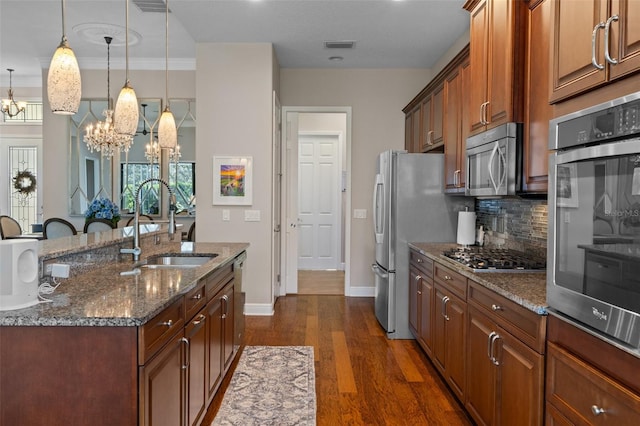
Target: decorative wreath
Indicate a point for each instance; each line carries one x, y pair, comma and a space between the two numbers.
24, 182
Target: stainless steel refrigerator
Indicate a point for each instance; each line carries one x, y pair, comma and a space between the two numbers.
408, 206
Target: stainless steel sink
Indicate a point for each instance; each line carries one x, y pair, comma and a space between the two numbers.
178, 260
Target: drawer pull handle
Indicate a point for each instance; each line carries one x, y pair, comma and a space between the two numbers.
419, 293
418, 277
497, 307
419, 260
448, 278
197, 296
597, 410
198, 320
167, 323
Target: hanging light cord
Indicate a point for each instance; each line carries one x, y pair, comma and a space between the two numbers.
126, 42
64, 33
166, 44
108, 40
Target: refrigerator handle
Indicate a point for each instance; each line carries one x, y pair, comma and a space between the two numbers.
378, 271
378, 228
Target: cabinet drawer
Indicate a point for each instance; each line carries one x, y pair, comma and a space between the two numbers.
578, 391
157, 331
422, 262
195, 300
217, 280
521, 322
455, 282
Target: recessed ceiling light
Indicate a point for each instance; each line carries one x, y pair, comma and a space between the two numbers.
336, 58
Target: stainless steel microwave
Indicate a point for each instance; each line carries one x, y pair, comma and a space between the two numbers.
594, 220
494, 162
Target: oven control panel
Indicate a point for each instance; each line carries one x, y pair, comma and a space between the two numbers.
601, 125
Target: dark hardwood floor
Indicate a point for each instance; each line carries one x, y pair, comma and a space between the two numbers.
362, 378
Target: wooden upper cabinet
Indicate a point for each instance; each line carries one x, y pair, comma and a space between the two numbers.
593, 42
497, 45
537, 112
456, 125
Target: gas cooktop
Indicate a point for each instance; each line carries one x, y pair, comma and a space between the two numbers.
481, 259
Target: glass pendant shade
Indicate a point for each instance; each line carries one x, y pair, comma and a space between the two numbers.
126, 113
64, 86
167, 132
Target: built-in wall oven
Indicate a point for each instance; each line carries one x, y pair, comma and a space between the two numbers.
594, 220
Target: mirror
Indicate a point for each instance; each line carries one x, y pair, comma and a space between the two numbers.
89, 173
92, 175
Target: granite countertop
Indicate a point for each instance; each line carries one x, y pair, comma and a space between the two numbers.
103, 297
526, 289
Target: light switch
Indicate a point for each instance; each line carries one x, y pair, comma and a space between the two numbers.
252, 215
359, 213
226, 215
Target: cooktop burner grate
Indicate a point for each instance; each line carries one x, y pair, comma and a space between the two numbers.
481, 259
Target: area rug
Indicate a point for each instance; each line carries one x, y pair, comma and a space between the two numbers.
272, 385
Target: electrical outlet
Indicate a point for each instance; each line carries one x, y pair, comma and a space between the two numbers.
58, 270
359, 213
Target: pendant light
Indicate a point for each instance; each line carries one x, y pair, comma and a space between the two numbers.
126, 113
167, 132
64, 86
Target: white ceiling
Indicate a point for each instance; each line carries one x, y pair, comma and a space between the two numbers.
387, 33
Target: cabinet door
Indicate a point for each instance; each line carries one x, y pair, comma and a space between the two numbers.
478, 35
196, 334
426, 314
625, 37
416, 125
162, 396
481, 374
408, 132
573, 28
455, 333
537, 109
520, 382
449, 339
214, 352
437, 116
414, 300
227, 298
452, 131
501, 65
426, 125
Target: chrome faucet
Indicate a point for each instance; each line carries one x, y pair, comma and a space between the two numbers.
136, 250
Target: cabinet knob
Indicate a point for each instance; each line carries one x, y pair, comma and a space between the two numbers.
597, 410
167, 323
497, 308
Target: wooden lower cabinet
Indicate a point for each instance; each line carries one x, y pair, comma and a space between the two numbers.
220, 337
162, 380
195, 333
589, 381
449, 338
505, 377
421, 299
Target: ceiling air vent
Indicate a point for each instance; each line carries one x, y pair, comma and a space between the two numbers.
343, 44
158, 6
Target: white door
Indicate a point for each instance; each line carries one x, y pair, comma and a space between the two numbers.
291, 190
319, 201
276, 280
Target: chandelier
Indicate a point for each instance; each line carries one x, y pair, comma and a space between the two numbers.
174, 154
9, 106
152, 152
102, 136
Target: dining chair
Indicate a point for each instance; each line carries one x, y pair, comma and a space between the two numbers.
56, 227
191, 235
98, 225
142, 218
9, 227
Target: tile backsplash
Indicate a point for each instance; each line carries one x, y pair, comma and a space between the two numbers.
515, 223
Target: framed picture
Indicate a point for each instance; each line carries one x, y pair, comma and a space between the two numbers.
567, 185
232, 181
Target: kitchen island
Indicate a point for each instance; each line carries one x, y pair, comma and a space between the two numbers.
119, 345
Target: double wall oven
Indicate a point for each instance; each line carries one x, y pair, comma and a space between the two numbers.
594, 220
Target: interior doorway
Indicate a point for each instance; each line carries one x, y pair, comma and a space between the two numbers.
316, 196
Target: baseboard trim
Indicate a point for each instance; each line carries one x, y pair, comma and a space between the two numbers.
362, 291
258, 309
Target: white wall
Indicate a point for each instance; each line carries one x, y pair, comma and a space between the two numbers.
376, 97
234, 85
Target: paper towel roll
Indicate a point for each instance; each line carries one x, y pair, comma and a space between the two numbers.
466, 228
